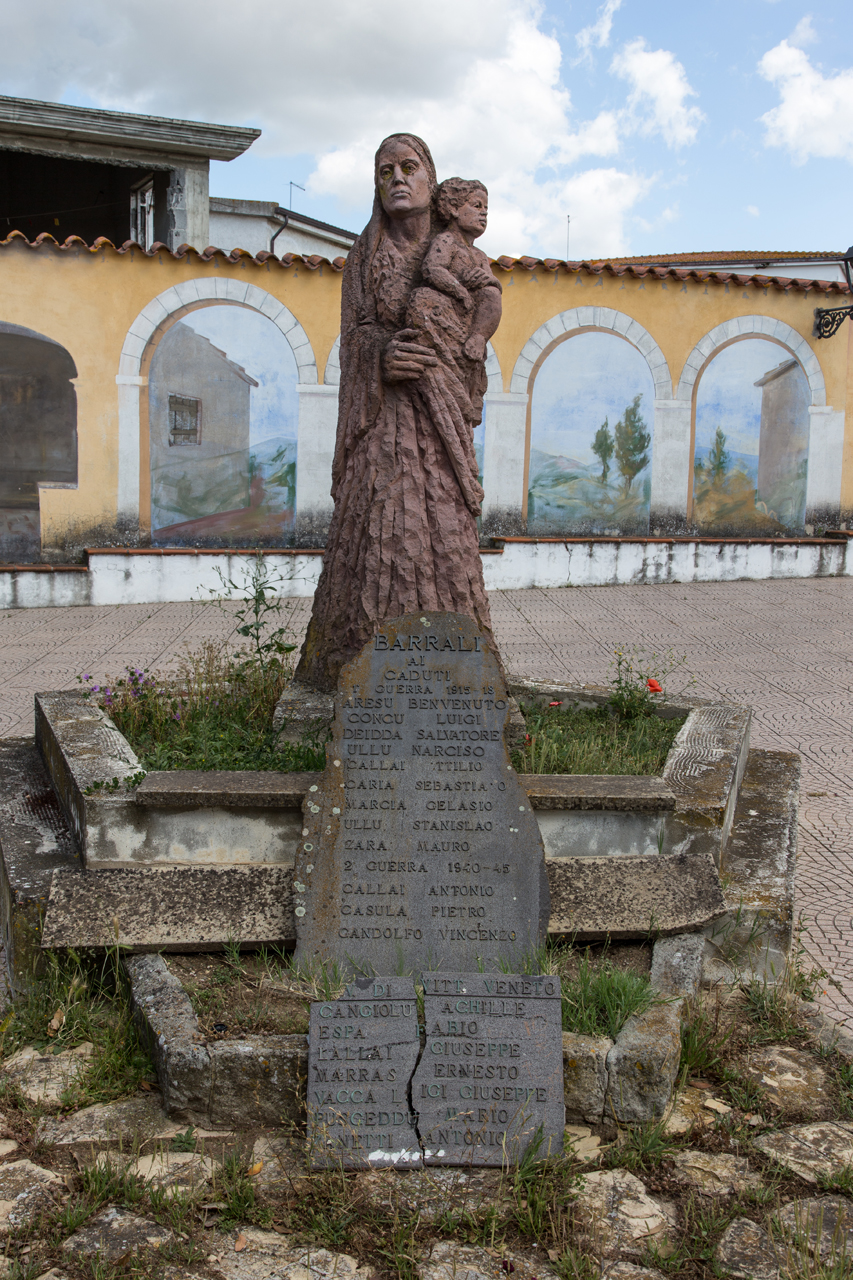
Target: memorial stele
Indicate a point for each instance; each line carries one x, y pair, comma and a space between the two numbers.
419, 848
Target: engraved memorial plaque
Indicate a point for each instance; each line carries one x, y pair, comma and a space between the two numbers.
362, 1050
420, 850
490, 1078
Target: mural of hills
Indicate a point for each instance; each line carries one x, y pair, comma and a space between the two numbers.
564, 493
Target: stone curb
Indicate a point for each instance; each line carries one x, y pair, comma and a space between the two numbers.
262, 1079
256, 1080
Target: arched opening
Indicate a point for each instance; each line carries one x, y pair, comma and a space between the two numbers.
591, 437
38, 434
222, 439
751, 440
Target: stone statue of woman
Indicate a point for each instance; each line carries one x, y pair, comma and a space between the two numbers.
403, 536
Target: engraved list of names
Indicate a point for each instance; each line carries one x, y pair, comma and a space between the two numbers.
419, 849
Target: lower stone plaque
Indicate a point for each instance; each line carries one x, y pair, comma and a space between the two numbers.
362, 1050
490, 1079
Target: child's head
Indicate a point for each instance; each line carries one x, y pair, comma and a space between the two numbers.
455, 194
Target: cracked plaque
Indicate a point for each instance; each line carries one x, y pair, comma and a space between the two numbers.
489, 1082
419, 848
362, 1051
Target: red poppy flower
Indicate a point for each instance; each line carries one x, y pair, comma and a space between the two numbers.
654, 687
555, 704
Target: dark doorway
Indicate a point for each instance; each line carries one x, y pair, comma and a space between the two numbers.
38, 434
66, 197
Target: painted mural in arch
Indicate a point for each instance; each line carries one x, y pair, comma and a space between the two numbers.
223, 423
752, 441
591, 429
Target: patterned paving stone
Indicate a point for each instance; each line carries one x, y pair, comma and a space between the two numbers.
784, 647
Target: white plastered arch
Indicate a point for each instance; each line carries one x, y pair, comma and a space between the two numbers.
752, 327
604, 318
166, 307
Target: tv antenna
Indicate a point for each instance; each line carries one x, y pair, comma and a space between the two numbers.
568, 230
292, 185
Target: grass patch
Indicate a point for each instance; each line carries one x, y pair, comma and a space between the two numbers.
214, 712
82, 997
594, 741
598, 992
235, 995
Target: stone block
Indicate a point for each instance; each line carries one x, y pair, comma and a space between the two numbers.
811, 1151
825, 1224
44, 1077
178, 909
169, 1028
643, 1064
134, 1125
747, 1252
620, 1217
35, 841
790, 1078
27, 1190
715, 1175
630, 897
448, 1260
113, 1234
677, 964
585, 1076
259, 1080
753, 935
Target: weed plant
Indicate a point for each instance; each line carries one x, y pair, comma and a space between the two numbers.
599, 741
78, 998
215, 710
601, 997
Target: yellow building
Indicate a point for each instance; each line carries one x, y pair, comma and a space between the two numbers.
587, 334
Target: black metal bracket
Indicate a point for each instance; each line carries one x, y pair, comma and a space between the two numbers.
827, 321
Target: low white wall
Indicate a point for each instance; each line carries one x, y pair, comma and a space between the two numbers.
624, 563
121, 577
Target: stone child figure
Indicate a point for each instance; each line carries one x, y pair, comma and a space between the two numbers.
454, 267
403, 536
455, 314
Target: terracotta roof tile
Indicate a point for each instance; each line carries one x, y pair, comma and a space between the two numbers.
638, 269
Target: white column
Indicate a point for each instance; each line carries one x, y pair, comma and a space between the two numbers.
826, 448
671, 463
315, 449
127, 495
503, 461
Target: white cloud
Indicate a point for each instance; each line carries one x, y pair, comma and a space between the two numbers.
479, 80
659, 87
754, 210
803, 33
815, 114
597, 35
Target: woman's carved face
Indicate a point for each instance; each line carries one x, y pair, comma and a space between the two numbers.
404, 185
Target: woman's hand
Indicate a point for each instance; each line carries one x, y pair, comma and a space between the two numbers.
405, 359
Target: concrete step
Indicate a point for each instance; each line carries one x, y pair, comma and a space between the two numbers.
35, 840
757, 873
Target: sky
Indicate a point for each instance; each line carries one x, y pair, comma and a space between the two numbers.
658, 126
253, 341
593, 377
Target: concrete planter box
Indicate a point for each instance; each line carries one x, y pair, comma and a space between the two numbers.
625, 855
261, 1080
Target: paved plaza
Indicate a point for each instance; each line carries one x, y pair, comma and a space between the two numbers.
783, 647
